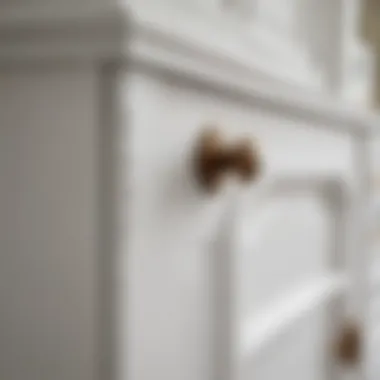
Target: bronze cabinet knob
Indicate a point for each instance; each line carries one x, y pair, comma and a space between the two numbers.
214, 159
349, 346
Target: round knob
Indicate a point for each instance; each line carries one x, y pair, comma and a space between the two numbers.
349, 344
214, 160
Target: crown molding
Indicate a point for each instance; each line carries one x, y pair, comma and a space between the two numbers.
198, 51
30, 33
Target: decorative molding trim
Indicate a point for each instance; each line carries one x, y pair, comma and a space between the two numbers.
375, 278
28, 34
175, 47
261, 330
329, 187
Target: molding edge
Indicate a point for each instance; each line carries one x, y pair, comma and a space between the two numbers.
62, 33
146, 40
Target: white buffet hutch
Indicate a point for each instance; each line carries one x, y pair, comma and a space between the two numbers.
130, 249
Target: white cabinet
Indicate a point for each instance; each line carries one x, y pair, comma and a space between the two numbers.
116, 263
263, 304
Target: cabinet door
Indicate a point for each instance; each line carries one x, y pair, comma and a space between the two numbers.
278, 281
269, 301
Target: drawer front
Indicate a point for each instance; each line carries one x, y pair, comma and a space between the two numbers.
282, 241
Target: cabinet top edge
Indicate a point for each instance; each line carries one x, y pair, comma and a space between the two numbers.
156, 38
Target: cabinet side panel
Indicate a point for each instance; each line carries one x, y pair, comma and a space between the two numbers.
48, 223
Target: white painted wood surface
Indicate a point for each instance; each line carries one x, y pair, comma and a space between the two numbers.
149, 277
282, 144
259, 339
49, 262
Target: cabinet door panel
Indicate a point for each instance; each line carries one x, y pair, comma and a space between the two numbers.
278, 302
